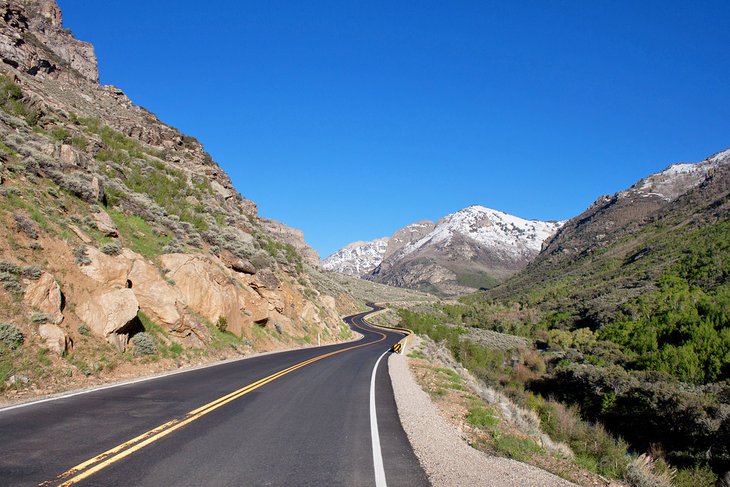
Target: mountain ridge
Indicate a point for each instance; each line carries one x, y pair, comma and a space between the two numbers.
620, 233
495, 243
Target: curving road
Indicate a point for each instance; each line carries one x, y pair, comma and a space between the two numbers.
315, 416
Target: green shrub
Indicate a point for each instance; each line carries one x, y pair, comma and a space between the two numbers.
644, 471
481, 417
84, 329
111, 248
143, 344
39, 318
174, 247
515, 447
11, 283
60, 134
26, 225
10, 336
32, 272
697, 476
81, 256
9, 267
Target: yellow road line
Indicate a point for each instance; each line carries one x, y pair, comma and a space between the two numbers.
125, 449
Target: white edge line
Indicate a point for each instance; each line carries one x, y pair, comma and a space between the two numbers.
64, 395
377, 454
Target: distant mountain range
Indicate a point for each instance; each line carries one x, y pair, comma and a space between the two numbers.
472, 248
478, 247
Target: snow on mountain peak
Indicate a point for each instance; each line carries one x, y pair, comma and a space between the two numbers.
677, 179
357, 258
496, 230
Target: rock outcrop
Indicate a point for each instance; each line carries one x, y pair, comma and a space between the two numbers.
111, 314
44, 295
54, 338
104, 223
293, 237
40, 45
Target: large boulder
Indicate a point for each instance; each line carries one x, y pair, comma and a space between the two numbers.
108, 269
54, 338
157, 298
111, 315
213, 291
160, 300
44, 295
238, 265
105, 224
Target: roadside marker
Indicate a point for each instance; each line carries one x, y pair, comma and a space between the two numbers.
397, 347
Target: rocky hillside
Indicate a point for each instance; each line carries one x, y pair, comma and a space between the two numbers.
121, 238
616, 249
472, 248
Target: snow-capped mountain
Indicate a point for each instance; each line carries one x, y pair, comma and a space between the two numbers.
506, 235
474, 247
677, 179
357, 258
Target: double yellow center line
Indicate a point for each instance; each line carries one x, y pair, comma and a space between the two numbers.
103, 460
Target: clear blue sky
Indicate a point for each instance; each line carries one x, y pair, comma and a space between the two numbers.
349, 120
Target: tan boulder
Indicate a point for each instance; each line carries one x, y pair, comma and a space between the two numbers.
238, 265
162, 302
105, 224
96, 188
110, 315
68, 155
222, 191
44, 295
329, 302
266, 278
157, 298
256, 307
208, 289
190, 331
108, 269
310, 313
54, 337
273, 298
79, 233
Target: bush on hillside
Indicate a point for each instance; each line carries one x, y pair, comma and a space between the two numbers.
143, 344
10, 336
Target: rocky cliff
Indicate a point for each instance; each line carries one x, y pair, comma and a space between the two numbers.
119, 231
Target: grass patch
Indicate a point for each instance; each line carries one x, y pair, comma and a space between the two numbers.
138, 235
223, 339
345, 333
416, 354
520, 449
481, 417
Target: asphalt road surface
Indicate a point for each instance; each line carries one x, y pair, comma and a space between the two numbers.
295, 418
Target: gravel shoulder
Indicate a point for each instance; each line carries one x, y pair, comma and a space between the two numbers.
445, 456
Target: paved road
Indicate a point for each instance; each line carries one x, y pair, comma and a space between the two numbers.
308, 422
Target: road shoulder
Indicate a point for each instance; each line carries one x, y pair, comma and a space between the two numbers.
445, 455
